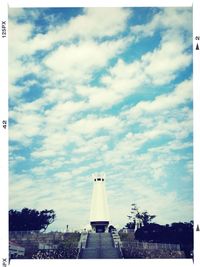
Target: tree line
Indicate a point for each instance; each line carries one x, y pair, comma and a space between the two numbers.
174, 233
30, 219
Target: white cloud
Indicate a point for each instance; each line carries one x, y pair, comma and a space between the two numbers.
18, 47
47, 152
38, 171
15, 13
62, 111
168, 18
55, 193
19, 34
54, 143
30, 123
62, 176
27, 126
19, 158
97, 144
113, 21
77, 61
77, 135
155, 68
181, 94
126, 148
158, 67
165, 206
92, 124
99, 97
172, 145
99, 22
157, 201
122, 80
162, 64
167, 129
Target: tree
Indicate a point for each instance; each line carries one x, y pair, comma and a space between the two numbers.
30, 219
111, 228
130, 225
152, 232
176, 233
144, 216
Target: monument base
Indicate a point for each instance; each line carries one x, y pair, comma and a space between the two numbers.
99, 226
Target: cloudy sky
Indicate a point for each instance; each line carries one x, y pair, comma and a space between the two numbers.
101, 90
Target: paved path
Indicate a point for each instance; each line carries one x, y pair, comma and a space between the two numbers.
99, 246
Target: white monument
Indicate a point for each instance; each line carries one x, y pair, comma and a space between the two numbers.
99, 216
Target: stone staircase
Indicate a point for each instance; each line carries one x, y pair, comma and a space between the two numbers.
99, 246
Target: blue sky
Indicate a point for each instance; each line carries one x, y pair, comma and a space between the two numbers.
101, 90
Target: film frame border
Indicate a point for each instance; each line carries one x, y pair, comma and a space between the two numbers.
196, 112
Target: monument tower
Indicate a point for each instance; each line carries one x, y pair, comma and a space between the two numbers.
99, 215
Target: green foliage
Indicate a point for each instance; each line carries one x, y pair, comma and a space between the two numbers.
130, 225
127, 237
177, 233
68, 247
30, 219
144, 216
111, 228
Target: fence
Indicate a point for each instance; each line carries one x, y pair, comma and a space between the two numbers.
146, 245
34, 241
82, 243
117, 243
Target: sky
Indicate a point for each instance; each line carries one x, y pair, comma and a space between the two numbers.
101, 90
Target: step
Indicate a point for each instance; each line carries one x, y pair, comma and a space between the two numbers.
89, 253
99, 246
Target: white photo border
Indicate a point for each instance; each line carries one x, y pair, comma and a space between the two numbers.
4, 132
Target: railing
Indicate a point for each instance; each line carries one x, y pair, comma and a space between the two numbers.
82, 243
146, 245
24, 232
117, 243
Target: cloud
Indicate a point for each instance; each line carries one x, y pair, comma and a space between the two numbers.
157, 201
113, 21
92, 124
26, 127
156, 67
181, 94
78, 61
164, 206
55, 194
17, 48
167, 18
74, 134
62, 111
15, 13
159, 66
94, 145
103, 105
153, 68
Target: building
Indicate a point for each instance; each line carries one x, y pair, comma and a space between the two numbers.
99, 216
